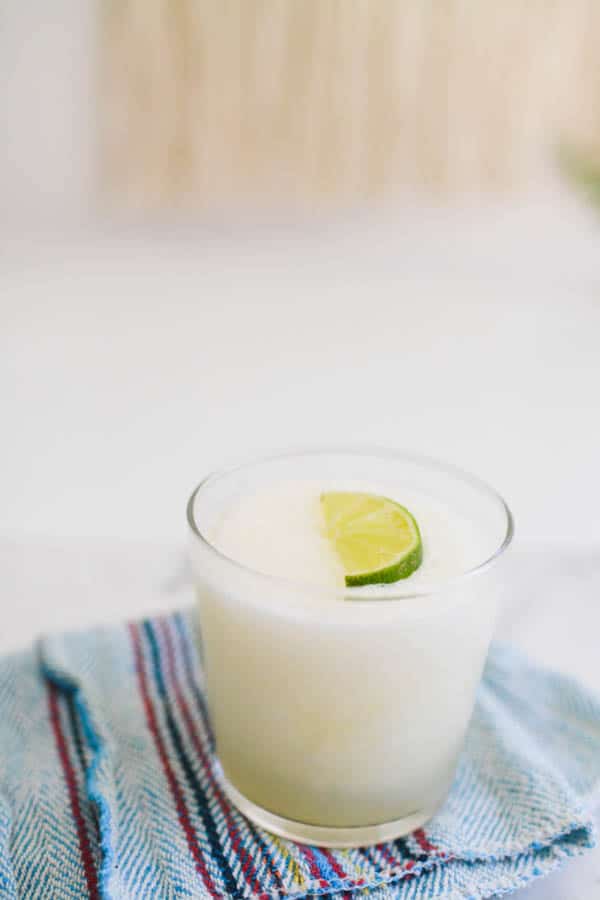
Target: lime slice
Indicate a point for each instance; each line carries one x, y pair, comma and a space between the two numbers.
377, 540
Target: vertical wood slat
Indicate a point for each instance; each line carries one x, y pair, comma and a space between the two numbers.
208, 102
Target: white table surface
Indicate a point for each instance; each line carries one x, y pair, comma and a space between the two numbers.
552, 610
132, 361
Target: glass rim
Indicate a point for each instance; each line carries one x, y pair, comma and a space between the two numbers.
357, 593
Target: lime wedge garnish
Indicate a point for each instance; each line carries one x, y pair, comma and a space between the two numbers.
377, 540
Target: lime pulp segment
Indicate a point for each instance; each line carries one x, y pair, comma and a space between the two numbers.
377, 540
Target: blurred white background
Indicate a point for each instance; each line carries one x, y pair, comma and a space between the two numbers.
135, 356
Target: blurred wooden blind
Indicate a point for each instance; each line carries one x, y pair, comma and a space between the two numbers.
212, 102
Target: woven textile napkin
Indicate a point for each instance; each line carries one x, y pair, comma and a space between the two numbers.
107, 788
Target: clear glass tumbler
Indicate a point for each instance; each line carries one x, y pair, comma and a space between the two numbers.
340, 723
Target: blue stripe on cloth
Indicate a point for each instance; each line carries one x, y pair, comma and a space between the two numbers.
230, 883
405, 851
88, 812
177, 790
239, 836
260, 839
190, 671
72, 688
73, 777
325, 868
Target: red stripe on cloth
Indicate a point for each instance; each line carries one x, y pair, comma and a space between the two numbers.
424, 844
333, 863
232, 828
91, 876
183, 642
250, 873
176, 793
312, 864
388, 856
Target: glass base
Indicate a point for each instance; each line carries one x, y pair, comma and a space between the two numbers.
318, 835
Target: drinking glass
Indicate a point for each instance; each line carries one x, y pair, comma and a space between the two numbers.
339, 714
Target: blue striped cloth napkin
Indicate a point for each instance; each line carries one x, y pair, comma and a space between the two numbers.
107, 787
